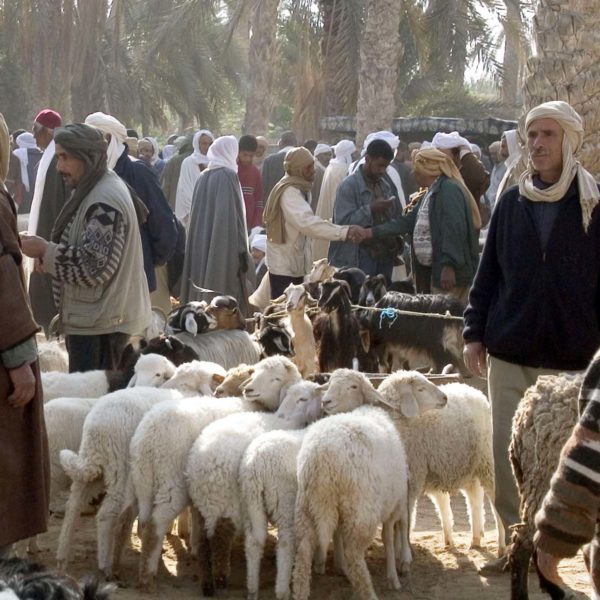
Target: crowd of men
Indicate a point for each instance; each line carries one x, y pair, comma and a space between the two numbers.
116, 225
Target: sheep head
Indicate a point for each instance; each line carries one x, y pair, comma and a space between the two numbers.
411, 393
171, 347
152, 370
271, 378
231, 384
195, 378
302, 404
321, 270
347, 390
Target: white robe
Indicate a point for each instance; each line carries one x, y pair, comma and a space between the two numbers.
189, 174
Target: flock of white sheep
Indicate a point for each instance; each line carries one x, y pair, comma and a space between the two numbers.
228, 452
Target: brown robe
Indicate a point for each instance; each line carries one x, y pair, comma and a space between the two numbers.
24, 463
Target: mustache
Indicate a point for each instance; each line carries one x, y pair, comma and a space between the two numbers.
540, 153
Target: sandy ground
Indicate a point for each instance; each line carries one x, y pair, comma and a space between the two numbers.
437, 573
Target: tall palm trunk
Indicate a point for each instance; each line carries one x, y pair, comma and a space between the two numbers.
379, 55
567, 66
513, 31
261, 66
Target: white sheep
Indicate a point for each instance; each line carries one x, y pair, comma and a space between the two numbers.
152, 370
199, 377
104, 452
159, 451
352, 476
213, 484
268, 485
53, 356
303, 339
271, 379
448, 449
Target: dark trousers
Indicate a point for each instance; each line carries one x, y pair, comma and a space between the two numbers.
89, 352
280, 282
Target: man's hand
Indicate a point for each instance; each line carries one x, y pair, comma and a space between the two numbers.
548, 566
356, 234
23, 382
474, 357
379, 206
447, 278
33, 246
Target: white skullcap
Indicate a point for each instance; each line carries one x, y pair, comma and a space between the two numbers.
446, 141
259, 241
322, 149
26, 140
344, 148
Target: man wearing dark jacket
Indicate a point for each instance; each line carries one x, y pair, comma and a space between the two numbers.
159, 232
534, 307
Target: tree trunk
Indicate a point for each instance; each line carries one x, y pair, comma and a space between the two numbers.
261, 67
379, 55
567, 66
458, 58
513, 30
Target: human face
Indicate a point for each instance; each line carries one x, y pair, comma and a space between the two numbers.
503, 148
374, 168
145, 151
544, 142
42, 135
204, 143
324, 158
245, 157
70, 167
309, 172
260, 151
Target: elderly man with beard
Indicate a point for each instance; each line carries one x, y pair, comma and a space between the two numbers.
291, 223
534, 307
24, 466
94, 254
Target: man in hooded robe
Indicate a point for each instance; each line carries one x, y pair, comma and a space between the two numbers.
49, 196
94, 254
334, 175
148, 152
24, 464
170, 176
323, 155
29, 156
217, 260
190, 171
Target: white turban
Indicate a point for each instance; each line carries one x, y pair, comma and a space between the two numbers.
572, 125
107, 124
387, 136
259, 241
155, 158
322, 149
447, 141
343, 153
24, 141
476, 150
168, 151
199, 158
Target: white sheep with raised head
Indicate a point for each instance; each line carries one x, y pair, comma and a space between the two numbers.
268, 486
196, 378
271, 379
53, 356
212, 474
352, 476
152, 370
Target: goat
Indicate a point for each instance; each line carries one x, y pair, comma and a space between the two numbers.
303, 339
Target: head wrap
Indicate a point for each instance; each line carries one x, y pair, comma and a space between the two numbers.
476, 150
343, 153
49, 118
387, 136
4, 151
495, 146
169, 151
572, 125
262, 141
296, 160
322, 149
259, 242
88, 145
107, 124
199, 158
447, 141
156, 149
223, 152
24, 142
433, 162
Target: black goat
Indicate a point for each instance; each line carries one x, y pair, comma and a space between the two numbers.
191, 317
273, 336
424, 303
354, 277
372, 290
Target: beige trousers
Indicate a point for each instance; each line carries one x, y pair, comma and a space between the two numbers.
507, 383
160, 296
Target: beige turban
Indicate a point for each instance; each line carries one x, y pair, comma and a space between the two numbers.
4, 151
296, 160
572, 125
433, 163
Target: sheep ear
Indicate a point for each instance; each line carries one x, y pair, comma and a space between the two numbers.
323, 388
190, 324
245, 382
408, 405
132, 381
371, 395
217, 378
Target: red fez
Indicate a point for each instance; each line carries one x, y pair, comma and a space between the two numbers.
49, 118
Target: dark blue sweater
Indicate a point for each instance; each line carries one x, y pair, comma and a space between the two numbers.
532, 307
159, 232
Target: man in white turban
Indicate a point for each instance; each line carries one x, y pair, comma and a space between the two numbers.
322, 155
29, 155
533, 307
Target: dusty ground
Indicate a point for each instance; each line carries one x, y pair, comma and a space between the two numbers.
437, 574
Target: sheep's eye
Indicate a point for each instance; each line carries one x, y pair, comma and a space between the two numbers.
301, 399
354, 387
277, 379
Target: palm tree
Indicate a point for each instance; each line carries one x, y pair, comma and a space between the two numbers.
512, 25
567, 66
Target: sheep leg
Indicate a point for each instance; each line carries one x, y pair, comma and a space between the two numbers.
286, 541
107, 522
123, 532
307, 540
474, 495
205, 557
320, 558
254, 542
442, 503
221, 543
519, 558
390, 555
356, 541
195, 532
402, 543
70, 522
339, 559
183, 526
